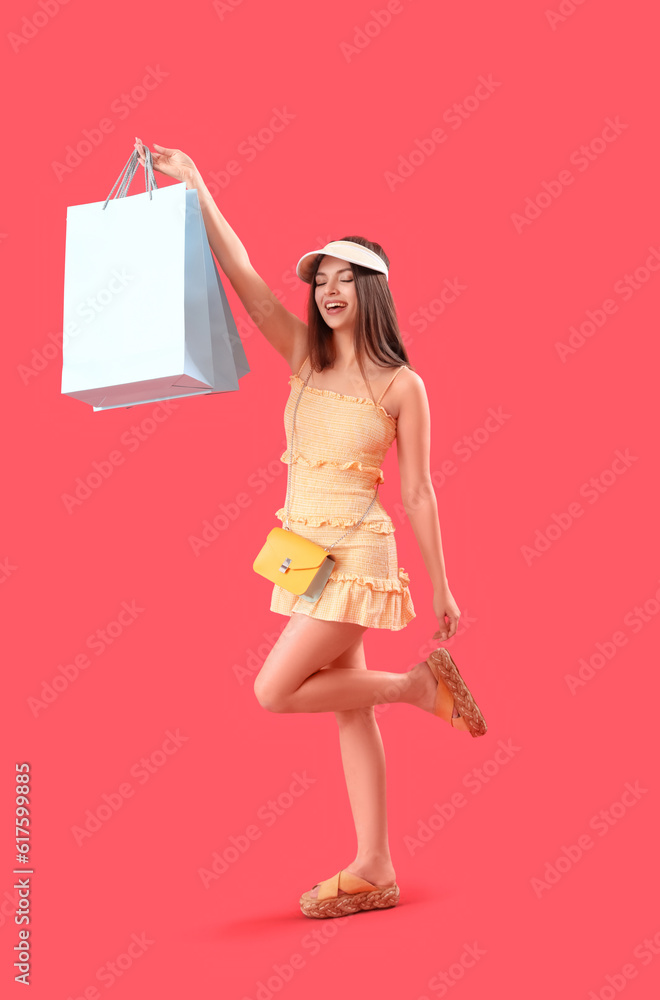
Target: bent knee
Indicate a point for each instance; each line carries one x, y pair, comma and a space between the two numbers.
269, 697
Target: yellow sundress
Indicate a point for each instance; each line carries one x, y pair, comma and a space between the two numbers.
340, 444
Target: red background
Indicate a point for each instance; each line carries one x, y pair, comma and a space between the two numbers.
527, 622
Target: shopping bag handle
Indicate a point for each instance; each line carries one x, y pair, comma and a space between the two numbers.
128, 173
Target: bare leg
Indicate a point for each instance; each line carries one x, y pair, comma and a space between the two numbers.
330, 656
292, 678
363, 759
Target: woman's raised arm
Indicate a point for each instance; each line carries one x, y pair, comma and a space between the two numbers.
282, 328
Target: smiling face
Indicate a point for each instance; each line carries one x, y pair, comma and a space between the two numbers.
334, 283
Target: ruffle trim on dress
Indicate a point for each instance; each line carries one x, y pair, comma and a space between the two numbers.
365, 600
317, 462
382, 527
374, 582
340, 395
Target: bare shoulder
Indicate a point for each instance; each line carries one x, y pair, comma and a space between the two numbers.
407, 392
412, 380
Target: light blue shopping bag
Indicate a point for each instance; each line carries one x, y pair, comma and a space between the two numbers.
145, 315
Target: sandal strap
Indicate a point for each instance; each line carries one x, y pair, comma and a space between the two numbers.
350, 883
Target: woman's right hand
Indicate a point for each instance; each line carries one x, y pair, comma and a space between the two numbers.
171, 162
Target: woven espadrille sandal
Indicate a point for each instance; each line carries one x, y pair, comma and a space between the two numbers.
358, 895
453, 691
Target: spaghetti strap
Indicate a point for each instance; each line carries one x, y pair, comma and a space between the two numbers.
301, 367
390, 383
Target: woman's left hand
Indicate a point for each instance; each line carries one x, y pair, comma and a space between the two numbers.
446, 611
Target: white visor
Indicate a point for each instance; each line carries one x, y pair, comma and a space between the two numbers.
355, 253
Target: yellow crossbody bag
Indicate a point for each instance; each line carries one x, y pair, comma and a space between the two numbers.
292, 561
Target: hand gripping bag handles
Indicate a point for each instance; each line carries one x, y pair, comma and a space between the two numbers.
128, 173
292, 561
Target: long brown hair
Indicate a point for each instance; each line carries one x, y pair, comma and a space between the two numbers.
377, 334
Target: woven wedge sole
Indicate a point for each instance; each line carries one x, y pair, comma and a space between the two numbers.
444, 669
378, 898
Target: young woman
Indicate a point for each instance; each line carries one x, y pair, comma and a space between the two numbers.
345, 361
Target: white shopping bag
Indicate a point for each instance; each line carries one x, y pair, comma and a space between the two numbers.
145, 314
